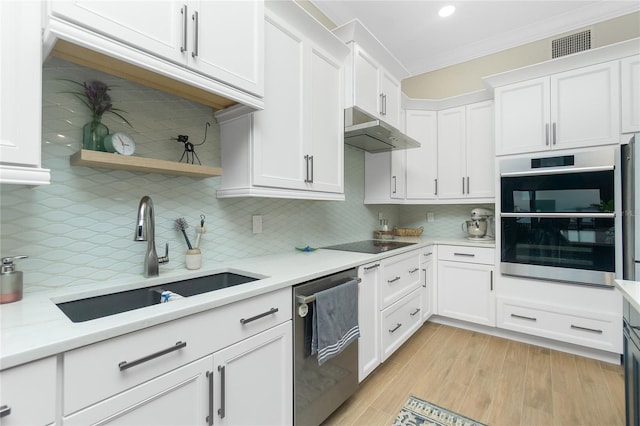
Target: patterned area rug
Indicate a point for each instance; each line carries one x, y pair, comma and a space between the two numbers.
419, 412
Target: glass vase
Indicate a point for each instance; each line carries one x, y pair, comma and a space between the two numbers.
93, 134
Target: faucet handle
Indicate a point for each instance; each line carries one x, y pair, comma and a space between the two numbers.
165, 258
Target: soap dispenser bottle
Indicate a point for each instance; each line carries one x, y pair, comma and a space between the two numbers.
10, 280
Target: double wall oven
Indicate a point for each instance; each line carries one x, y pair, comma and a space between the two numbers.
557, 217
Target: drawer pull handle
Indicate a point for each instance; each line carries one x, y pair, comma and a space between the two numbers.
124, 365
425, 278
464, 254
262, 315
592, 330
395, 328
414, 270
209, 419
427, 254
5, 410
523, 317
221, 410
413, 314
393, 280
368, 268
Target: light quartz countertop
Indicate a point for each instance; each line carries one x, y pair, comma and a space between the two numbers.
35, 327
631, 291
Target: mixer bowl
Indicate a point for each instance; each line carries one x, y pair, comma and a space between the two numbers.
476, 228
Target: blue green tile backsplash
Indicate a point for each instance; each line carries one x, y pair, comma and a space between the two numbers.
79, 230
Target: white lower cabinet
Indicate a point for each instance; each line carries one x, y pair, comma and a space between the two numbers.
399, 321
26, 394
253, 380
368, 319
465, 284
189, 371
427, 278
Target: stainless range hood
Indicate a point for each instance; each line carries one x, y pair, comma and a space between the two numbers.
363, 131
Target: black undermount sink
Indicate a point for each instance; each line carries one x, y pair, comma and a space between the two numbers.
114, 303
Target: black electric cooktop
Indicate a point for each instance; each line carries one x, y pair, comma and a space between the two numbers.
369, 246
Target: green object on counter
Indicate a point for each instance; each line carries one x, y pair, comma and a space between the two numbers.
307, 249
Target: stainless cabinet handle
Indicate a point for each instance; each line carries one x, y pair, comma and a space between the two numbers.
308, 178
523, 317
463, 184
592, 330
395, 328
413, 314
425, 278
209, 418
468, 187
183, 10
5, 410
381, 103
414, 270
464, 254
262, 315
395, 184
546, 133
491, 287
384, 107
221, 410
428, 254
374, 266
124, 365
311, 159
436, 182
393, 280
195, 32
554, 133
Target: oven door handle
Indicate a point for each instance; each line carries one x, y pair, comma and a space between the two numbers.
562, 215
557, 171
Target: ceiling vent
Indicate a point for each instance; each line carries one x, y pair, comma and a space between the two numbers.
573, 43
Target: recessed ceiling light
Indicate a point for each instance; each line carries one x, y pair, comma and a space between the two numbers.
447, 11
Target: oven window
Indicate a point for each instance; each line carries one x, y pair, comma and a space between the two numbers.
579, 243
558, 193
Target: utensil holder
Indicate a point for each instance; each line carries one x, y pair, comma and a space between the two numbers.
193, 259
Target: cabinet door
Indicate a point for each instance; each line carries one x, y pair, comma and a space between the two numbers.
366, 85
258, 370
28, 391
181, 396
428, 282
368, 320
465, 292
278, 148
391, 98
522, 117
377, 175
20, 104
630, 94
226, 41
160, 27
480, 150
325, 123
422, 163
585, 106
398, 187
451, 153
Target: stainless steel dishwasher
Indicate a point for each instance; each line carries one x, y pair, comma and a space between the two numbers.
319, 389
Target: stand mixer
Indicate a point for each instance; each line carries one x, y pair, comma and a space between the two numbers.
481, 225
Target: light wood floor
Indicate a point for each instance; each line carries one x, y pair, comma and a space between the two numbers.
490, 379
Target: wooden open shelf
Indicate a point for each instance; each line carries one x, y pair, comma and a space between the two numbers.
139, 164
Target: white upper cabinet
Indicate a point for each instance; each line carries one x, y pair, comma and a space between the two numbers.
294, 148
465, 152
21, 104
572, 109
373, 75
222, 40
422, 163
630, 94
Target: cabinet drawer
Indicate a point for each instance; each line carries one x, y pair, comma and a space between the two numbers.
29, 392
399, 276
594, 330
123, 362
467, 254
399, 321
